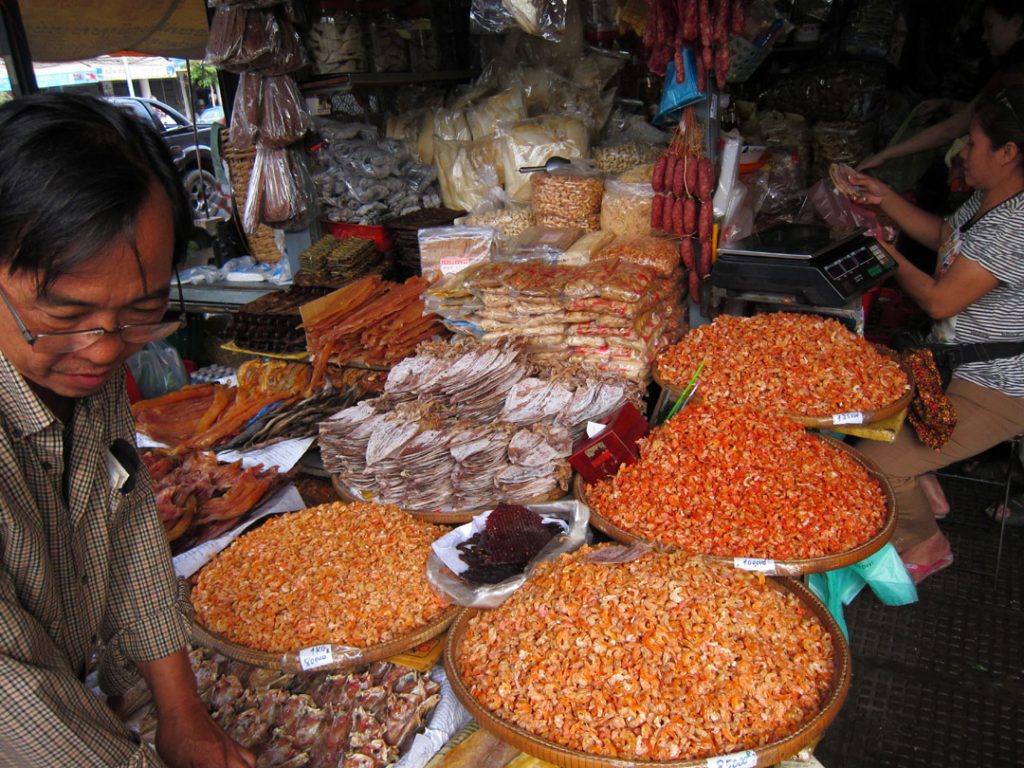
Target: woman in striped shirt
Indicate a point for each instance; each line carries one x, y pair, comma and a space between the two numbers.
976, 294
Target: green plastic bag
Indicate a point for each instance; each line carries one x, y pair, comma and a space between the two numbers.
883, 571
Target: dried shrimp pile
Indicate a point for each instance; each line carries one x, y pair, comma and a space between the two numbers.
350, 575
662, 658
732, 482
785, 362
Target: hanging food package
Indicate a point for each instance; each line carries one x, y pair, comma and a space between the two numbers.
288, 56
283, 119
226, 31
245, 117
260, 39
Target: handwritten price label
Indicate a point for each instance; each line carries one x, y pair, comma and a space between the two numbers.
315, 656
746, 759
853, 417
759, 564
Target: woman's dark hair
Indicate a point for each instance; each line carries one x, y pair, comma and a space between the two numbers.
74, 173
1000, 116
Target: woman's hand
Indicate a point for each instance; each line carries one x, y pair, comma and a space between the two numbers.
867, 189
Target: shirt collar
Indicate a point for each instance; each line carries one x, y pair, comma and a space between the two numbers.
26, 414
29, 414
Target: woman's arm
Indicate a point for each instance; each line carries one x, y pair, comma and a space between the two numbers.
961, 285
926, 228
938, 135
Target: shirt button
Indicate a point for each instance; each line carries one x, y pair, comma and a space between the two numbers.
46, 465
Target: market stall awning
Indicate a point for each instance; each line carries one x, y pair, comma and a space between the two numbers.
62, 31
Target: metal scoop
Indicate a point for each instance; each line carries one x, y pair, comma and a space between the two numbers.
551, 165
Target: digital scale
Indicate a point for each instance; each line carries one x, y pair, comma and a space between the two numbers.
800, 264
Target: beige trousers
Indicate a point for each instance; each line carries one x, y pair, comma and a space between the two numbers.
985, 418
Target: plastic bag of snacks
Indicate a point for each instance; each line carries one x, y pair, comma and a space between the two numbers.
466, 172
658, 253
533, 142
626, 208
448, 250
568, 197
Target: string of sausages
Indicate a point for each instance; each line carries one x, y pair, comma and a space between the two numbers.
704, 25
684, 183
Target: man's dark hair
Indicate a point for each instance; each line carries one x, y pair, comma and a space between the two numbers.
74, 173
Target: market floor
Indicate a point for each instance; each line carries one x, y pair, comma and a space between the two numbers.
941, 682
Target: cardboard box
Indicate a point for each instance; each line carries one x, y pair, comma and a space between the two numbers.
602, 455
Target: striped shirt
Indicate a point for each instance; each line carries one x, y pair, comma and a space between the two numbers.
996, 242
77, 571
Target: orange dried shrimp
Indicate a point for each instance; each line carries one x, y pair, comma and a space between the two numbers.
662, 658
350, 575
733, 482
786, 362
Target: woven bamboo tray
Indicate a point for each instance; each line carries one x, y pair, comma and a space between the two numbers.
781, 567
351, 657
671, 393
444, 517
767, 755
262, 245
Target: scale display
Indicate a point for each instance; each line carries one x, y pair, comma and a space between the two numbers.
804, 262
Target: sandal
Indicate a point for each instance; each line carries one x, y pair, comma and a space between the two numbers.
1011, 514
919, 572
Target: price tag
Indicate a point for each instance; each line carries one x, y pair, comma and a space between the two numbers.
853, 417
746, 759
759, 564
315, 656
451, 264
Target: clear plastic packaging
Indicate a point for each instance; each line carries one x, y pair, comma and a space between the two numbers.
335, 41
261, 37
424, 49
544, 18
227, 28
574, 515
388, 49
584, 249
657, 253
445, 251
451, 124
286, 196
283, 118
626, 208
507, 106
568, 197
549, 243
466, 172
532, 142
245, 117
288, 55
616, 158
509, 218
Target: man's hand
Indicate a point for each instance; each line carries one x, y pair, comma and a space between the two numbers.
191, 739
186, 736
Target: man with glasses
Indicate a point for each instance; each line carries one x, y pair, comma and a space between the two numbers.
93, 220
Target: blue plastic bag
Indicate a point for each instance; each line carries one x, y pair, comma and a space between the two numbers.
883, 571
675, 96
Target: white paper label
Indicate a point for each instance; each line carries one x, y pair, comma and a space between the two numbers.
283, 455
746, 759
853, 417
451, 264
595, 428
759, 564
315, 656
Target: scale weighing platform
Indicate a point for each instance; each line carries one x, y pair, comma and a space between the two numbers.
801, 263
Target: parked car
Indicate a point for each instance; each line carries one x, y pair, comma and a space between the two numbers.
211, 115
189, 146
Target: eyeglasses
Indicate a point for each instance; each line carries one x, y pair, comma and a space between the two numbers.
1003, 99
66, 342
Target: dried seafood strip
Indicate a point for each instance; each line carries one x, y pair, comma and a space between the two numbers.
351, 575
198, 497
661, 658
734, 481
787, 363
173, 417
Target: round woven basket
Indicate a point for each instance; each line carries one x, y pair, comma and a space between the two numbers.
355, 657
262, 245
671, 393
444, 517
781, 567
770, 754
